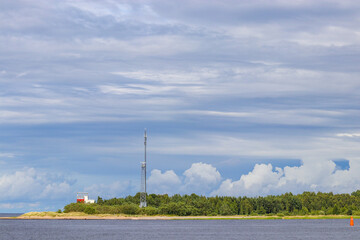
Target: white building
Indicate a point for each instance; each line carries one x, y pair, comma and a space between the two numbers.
83, 197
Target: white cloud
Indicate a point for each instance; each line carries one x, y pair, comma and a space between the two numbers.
274, 34
22, 74
201, 177
19, 205
258, 182
31, 101
312, 171
172, 76
220, 113
137, 89
119, 11
311, 176
107, 62
285, 116
56, 190
6, 155
248, 82
161, 46
31, 184
330, 36
351, 135
244, 144
171, 94
149, 89
166, 182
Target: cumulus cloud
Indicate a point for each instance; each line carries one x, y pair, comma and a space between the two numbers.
163, 182
199, 178
33, 185
258, 182
310, 176
264, 179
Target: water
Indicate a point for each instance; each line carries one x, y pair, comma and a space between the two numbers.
10, 214
178, 229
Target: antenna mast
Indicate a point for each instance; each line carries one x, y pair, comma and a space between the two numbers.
143, 176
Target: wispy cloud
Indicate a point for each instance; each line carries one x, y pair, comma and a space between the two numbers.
242, 80
171, 76
351, 135
270, 146
6, 155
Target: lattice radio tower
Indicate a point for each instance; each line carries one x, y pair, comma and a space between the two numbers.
143, 176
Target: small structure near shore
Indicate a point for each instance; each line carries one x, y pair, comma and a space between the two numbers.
83, 197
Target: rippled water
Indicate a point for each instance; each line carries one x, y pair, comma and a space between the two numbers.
178, 229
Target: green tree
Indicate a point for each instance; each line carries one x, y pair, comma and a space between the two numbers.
186, 205
225, 209
336, 210
100, 200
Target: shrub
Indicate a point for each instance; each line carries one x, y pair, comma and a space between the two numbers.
89, 210
129, 209
356, 213
150, 211
74, 207
322, 212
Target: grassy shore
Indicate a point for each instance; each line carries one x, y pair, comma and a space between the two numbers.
84, 216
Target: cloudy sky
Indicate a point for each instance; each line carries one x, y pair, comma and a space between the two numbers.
239, 98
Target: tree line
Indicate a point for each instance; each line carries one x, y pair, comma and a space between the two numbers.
307, 203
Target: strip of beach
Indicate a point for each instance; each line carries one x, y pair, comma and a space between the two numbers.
83, 216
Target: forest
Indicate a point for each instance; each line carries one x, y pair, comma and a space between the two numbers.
307, 203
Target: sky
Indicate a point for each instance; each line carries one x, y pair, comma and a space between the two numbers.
239, 98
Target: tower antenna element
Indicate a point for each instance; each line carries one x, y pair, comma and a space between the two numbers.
143, 176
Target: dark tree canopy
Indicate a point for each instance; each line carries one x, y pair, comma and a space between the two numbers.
195, 205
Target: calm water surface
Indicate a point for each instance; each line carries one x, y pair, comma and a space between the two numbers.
178, 229
10, 214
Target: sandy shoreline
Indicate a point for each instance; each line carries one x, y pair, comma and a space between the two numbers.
82, 216
116, 217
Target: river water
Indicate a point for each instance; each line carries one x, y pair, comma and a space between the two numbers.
178, 229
